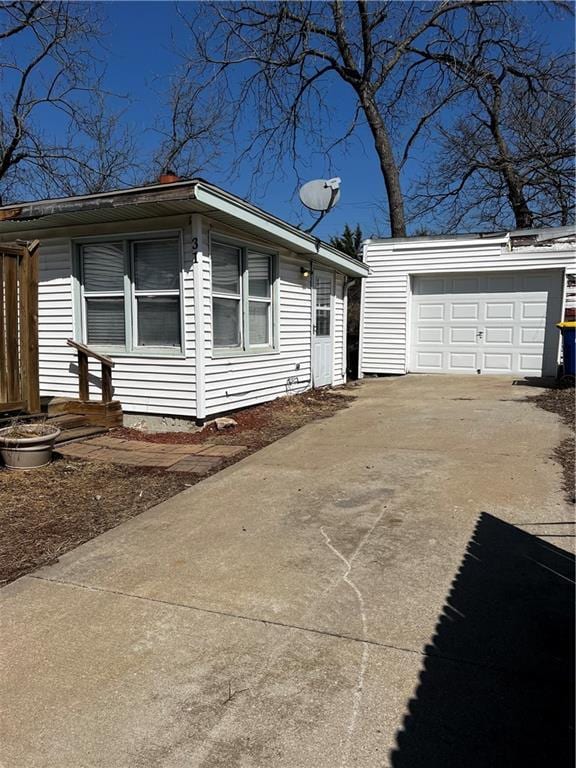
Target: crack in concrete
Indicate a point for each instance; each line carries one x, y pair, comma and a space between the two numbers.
365, 643
365, 652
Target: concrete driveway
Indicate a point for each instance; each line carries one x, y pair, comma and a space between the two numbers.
388, 587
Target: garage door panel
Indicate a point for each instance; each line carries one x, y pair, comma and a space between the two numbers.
432, 360
534, 310
461, 311
496, 363
491, 323
533, 284
431, 285
467, 335
431, 335
530, 363
498, 283
431, 312
465, 285
500, 335
532, 335
463, 361
499, 310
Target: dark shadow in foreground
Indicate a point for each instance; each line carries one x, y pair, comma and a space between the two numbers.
497, 684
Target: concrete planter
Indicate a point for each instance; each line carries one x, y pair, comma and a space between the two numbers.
27, 452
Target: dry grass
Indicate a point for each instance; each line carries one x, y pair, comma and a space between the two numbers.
46, 512
561, 400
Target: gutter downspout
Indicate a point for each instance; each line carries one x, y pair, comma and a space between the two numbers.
348, 283
359, 372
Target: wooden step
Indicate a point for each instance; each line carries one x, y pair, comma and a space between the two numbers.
67, 421
78, 433
99, 414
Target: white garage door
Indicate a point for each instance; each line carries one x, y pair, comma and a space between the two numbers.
486, 323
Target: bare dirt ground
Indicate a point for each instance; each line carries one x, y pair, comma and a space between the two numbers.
561, 400
47, 512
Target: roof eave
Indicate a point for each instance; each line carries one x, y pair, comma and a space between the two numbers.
122, 197
202, 192
298, 241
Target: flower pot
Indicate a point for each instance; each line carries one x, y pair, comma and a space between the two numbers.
27, 452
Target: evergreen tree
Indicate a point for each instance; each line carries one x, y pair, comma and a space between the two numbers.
350, 242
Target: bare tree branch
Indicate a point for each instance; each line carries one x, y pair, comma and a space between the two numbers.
48, 68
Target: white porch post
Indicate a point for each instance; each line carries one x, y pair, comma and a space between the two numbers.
199, 335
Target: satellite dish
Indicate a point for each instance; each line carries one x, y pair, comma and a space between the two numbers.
320, 194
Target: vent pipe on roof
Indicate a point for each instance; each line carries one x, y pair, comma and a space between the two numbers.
168, 177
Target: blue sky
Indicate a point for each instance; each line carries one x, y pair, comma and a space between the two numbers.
140, 60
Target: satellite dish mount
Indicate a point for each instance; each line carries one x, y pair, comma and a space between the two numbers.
320, 195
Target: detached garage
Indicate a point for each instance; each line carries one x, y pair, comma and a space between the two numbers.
466, 304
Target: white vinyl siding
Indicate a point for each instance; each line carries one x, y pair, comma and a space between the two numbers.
386, 293
237, 382
166, 385
56, 320
143, 384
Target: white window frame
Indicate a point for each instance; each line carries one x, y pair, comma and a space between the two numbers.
245, 348
131, 347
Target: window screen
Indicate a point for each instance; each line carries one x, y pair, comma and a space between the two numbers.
226, 321
259, 283
156, 266
103, 267
259, 322
226, 295
158, 321
105, 321
226, 269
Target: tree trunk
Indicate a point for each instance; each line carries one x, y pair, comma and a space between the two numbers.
388, 165
523, 216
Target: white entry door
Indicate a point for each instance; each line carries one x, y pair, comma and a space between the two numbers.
486, 323
322, 366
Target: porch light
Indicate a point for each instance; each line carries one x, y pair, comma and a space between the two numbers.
305, 271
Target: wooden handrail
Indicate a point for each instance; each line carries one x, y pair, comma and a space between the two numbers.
84, 353
90, 352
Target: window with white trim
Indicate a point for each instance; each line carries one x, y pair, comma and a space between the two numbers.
242, 298
131, 294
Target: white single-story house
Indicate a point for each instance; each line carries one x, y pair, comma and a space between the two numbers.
205, 303
466, 304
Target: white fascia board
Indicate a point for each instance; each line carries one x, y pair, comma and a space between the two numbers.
299, 242
485, 242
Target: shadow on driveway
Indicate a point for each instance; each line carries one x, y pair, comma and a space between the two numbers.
497, 684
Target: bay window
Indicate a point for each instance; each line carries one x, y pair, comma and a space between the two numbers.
242, 298
130, 293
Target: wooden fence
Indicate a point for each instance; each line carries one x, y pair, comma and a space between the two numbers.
19, 384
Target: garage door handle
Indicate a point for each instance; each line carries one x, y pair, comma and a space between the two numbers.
480, 334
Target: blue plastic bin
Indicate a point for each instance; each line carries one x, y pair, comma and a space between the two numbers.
568, 330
